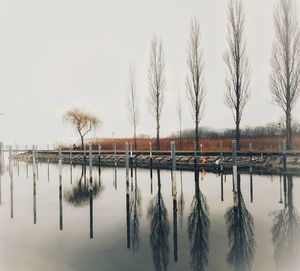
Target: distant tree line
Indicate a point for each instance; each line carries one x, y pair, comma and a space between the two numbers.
268, 130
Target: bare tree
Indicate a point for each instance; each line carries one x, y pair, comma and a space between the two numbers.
179, 112
82, 121
237, 64
157, 83
132, 103
195, 78
285, 76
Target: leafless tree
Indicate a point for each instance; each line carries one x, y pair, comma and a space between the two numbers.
285, 76
157, 83
179, 112
132, 103
82, 121
237, 64
195, 78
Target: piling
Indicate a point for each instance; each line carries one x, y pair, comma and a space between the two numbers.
60, 164
99, 155
33, 162
284, 155
234, 164
173, 155
150, 155
115, 153
90, 162
251, 156
221, 157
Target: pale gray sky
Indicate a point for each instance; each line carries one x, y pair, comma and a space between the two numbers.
58, 54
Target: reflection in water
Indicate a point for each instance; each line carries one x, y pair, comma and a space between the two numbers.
181, 202
198, 228
174, 196
159, 229
151, 181
79, 195
60, 204
222, 187
91, 195
135, 214
251, 186
11, 189
34, 198
286, 231
240, 229
115, 181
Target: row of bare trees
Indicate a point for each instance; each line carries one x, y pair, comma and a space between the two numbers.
284, 77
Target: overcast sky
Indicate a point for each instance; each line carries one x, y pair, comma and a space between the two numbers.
60, 54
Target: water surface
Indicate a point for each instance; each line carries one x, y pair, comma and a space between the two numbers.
184, 221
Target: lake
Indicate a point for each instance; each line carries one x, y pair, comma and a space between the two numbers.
155, 221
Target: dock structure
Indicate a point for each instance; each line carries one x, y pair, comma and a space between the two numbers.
210, 161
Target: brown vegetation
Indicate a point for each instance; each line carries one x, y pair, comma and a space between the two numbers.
272, 143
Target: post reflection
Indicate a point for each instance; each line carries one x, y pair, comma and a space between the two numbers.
286, 231
174, 196
159, 229
11, 189
34, 199
135, 215
222, 187
181, 202
60, 204
198, 228
240, 229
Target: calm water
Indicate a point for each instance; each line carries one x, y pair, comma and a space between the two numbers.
147, 225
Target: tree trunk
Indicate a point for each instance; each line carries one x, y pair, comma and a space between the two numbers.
157, 135
82, 142
197, 134
289, 132
237, 136
135, 143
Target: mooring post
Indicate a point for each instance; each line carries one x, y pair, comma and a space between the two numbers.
195, 156
251, 156
33, 162
99, 155
221, 156
90, 162
127, 163
284, 155
151, 158
60, 164
131, 161
115, 153
173, 155
70, 154
234, 164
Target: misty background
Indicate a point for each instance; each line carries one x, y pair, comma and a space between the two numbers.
60, 54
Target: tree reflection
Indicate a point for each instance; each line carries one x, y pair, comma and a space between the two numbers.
159, 229
198, 228
286, 231
240, 229
79, 195
135, 214
181, 202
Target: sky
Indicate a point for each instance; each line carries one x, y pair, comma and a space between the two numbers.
60, 54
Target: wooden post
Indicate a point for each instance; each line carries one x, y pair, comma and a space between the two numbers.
150, 154
195, 157
251, 154
127, 161
221, 156
33, 161
173, 155
234, 164
99, 155
60, 164
90, 161
115, 153
284, 155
